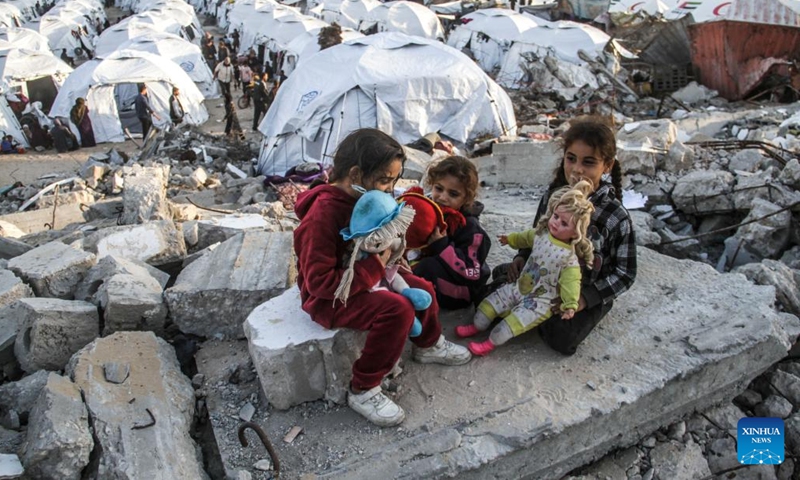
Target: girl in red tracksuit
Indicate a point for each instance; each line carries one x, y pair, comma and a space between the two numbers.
367, 159
455, 260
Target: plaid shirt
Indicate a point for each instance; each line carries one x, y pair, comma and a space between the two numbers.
611, 232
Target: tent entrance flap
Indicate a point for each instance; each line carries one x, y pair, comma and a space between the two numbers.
43, 90
125, 96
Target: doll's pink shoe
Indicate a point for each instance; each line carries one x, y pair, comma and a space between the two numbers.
466, 331
481, 348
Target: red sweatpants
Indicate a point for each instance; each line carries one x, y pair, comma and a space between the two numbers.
388, 318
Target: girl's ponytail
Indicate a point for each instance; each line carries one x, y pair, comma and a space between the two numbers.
616, 179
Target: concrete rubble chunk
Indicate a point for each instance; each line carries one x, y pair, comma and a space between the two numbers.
747, 160
59, 440
296, 359
704, 337
780, 276
763, 185
144, 196
678, 158
9, 230
106, 208
52, 330
221, 228
790, 175
247, 270
769, 237
155, 243
10, 248
10, 466
198, 178
12, 288
643, 224
524, 163
704, 191
132, 302
53, 270
111, 265
155, 384
21, 395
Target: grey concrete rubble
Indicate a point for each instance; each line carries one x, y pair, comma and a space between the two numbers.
10, 466
144, 196
283, 340
155, 243
132, 302
220, 228
20, 396
780, 276
248, 269
112, 265
12, 288
153, 406
51, 330
768, 237
704, 191
53, 270
59, 440
511, 163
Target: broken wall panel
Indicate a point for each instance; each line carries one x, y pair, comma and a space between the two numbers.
735, 71
672, 45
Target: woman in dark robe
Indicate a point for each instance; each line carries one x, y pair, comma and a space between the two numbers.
80, 117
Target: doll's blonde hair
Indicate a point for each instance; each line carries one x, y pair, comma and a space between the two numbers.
575, 201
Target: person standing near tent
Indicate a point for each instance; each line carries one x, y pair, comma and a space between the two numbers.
63, 138
210, 52
235, 37
175, 107
222, 51
144, 110
224, 74
232, 126
80, 118
261, 99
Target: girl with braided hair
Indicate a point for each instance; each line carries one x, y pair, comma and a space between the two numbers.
551, 271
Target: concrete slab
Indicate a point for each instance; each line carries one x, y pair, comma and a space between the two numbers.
33, 221
53, 270
521, 163
219, 228
155, 243
684, 338
144, 196
247, 270
298, 360
12, 288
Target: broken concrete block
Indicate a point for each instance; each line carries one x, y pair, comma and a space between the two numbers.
10, 248
643, 224
298, 360
523, 163
32, 221
59, 440
249, 192
106, 208
249, 269
198, 178
766, 238
51, 330
9, 230
790, 175
12, 288
676, 460
660, 133
777, 274
145, 194
10, 466
762, 185
704, 191
111, 265
416, 164
223, 227
155, 243
132, 302
21, 395
747, 160
153, 407
182, 212
53, 270
678, 158
81, 197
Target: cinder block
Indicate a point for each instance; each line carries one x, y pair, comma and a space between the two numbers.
296, 359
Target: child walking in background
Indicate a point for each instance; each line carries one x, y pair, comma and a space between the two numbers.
367, 159
551, 271
590, 151
455, 260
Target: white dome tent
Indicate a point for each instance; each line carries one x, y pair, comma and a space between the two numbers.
406, 86
66, 29
562, 40
187, 55
347, 13
109, 87
305, 45
10, 15
405, 17
24, 38
9, 125
37, 74
488, 38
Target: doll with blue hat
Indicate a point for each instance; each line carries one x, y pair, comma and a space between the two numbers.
379, 223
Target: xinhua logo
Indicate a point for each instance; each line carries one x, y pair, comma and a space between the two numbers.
760, 441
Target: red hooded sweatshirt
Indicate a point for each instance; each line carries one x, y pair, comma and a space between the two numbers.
324, 211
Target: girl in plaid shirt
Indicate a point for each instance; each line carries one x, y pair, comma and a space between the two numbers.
590, 154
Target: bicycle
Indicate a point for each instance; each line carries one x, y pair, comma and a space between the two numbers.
244, 100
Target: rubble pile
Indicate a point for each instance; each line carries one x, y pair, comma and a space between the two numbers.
101, 310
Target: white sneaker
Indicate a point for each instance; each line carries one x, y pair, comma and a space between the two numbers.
443, 352
376, 407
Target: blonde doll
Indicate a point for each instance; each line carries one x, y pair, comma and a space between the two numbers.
551, 271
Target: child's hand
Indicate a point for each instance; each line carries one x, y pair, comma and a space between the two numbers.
503, 239
568, 314
437, 234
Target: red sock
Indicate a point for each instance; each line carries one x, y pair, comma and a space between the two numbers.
465, 331
481, 348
